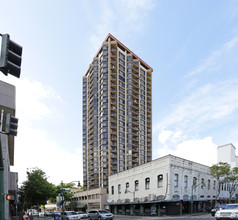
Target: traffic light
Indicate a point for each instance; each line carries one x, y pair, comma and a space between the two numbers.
10, 59
79, 185
11, 125
10, 197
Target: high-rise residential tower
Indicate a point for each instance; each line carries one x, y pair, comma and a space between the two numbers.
117, 113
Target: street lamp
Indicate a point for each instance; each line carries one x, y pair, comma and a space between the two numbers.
62, 191
126, 191
194, 186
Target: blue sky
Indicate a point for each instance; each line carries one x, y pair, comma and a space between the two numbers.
191, 45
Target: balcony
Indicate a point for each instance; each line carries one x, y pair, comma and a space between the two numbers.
113, 84
113, 125
113, 155
113, 137
114, 167
113, 131
113, 78
113, 113
113, 119
113, 149
114, 61
113, 143
113, 72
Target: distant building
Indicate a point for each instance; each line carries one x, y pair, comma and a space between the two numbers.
90, 199
117, 113
8, 179
167, 185
227, 153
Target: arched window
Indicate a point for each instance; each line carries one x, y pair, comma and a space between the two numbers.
176, 177
147, 183
127, 187
136, 185
160, 180
185, 181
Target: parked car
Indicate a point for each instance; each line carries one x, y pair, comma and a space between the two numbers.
100, 214
70, 215
35, 214
48, 214
219, 207
41, 214
230, 212
82, 214
57, 213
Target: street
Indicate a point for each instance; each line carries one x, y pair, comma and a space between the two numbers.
121, 217
188, 217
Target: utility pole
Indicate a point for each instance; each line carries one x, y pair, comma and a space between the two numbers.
2, 198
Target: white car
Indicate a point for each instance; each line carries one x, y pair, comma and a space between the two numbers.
41, 214
70, 215
230, 212
82, 215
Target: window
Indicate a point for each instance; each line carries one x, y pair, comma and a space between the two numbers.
136, 185
160, 180
119, 188
185, 181
112, 190
202, 183
194, 181
176, 180
147, 183
214, 184
208, 184
127, 187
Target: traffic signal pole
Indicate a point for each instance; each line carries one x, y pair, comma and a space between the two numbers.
2, 198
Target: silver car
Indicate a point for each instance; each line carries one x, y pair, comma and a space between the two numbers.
99, 214
70, 215
82, 215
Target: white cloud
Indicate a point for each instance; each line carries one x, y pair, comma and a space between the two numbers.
34, 147
164, 135
198, 150
205, 108
124, 17
217, 57
207, 104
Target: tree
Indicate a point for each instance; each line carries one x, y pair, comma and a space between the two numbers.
224, 174
232, 180
36, 190
220, 172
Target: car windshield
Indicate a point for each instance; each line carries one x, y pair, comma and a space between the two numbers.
103, 211
71, 213
222, 206
231, 207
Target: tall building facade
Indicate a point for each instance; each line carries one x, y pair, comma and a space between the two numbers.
117, 113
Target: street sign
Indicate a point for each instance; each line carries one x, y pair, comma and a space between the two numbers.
66, 190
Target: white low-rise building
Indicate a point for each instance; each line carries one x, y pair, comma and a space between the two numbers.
168, 185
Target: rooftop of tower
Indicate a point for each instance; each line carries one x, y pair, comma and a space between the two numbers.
125, 48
